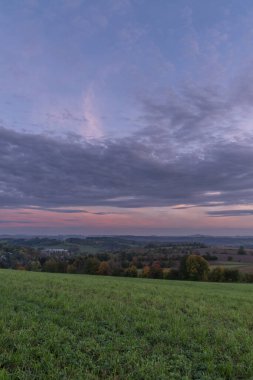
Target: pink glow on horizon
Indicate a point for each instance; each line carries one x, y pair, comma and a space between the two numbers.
124, 220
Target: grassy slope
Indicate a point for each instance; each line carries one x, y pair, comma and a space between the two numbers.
56, 326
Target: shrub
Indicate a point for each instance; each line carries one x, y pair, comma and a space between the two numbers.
173, 274
248, 277
231, 275
20, 267
166, 274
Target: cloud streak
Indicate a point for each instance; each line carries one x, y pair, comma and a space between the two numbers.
71, 211
229, 213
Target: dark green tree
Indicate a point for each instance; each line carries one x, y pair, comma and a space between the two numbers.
241, 251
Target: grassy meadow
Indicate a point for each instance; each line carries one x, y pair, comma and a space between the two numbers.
55, 326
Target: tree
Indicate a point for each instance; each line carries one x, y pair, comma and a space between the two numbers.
80, 265
231, 275
103, 268
115, 268
241, 251
173, 274
217, 275
156, 270
35, 266
92, 265
131, 271
50, 265
71, 268
146, 271
194, 267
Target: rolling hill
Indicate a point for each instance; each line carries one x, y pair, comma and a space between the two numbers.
58, 326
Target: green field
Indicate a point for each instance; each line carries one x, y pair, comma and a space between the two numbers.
57, 326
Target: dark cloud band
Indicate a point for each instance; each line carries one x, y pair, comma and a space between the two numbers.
188, 153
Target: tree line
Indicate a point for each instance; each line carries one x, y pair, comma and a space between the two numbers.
123, 263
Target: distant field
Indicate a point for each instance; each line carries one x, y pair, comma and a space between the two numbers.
57, 326
241, 266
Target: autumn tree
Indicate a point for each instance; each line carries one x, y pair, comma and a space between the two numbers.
103, 269
156, 270
194, 267
146, 271
131, 271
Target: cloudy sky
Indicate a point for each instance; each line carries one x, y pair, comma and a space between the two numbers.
126, 117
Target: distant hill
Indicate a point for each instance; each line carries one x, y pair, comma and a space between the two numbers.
119, 241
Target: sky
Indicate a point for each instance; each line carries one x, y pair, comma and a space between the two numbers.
126, 117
